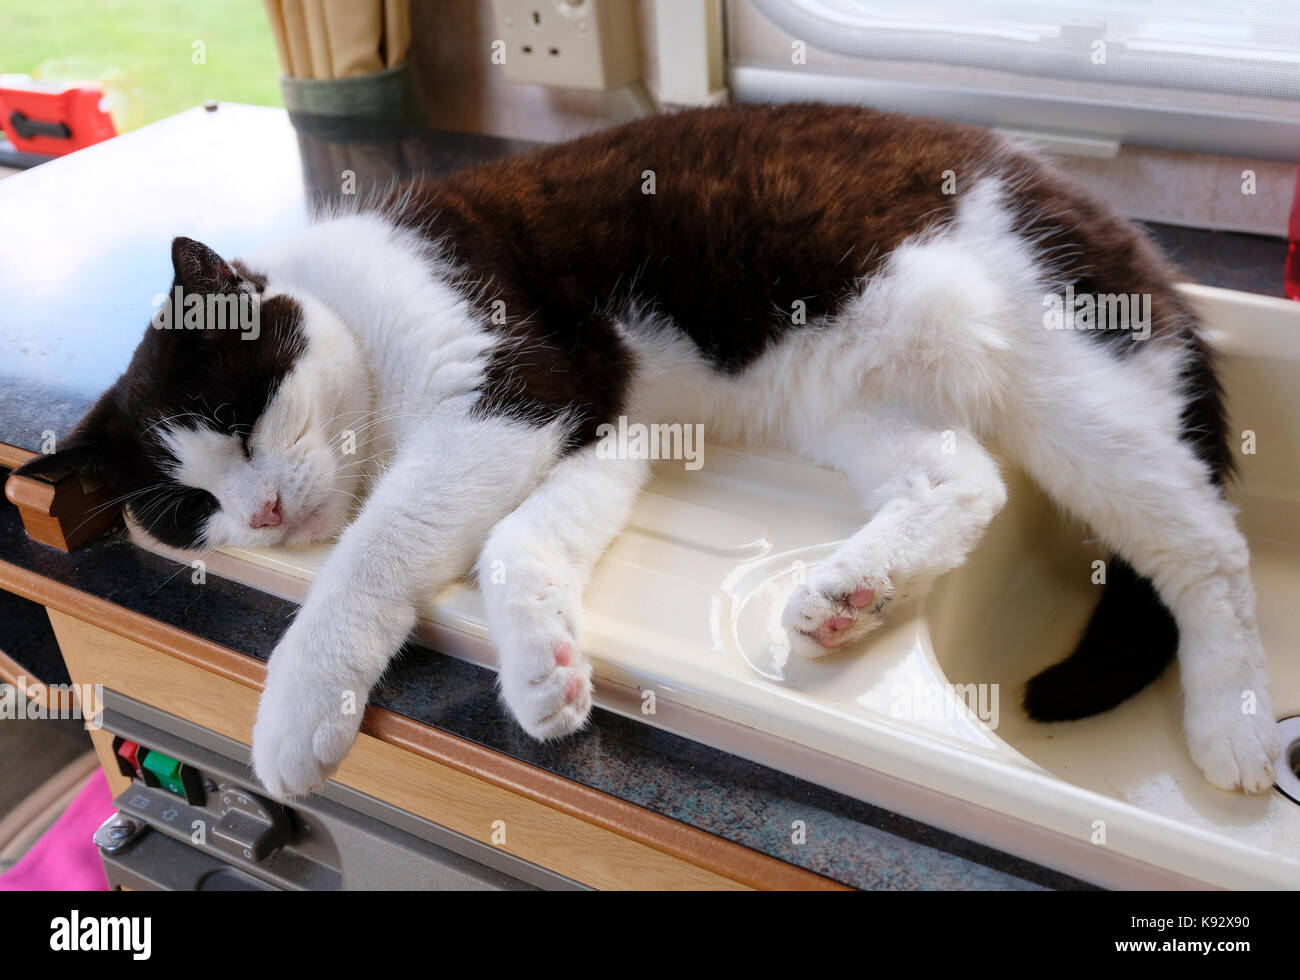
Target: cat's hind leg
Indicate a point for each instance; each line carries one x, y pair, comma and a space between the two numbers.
1134, 478
532, 572
931, 492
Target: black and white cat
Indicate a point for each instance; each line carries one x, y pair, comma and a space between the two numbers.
857, 288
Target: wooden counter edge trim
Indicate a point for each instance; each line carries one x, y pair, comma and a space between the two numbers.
630, 820
12, 457
33, 688
130, 625
635, 822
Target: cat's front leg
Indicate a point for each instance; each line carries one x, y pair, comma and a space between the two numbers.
311, 706
420, 528
532, 573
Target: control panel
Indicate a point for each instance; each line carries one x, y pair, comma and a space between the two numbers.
223, 817
193, 819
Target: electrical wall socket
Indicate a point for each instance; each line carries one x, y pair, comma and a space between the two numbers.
589, 44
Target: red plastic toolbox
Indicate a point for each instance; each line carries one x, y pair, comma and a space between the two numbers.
53, 119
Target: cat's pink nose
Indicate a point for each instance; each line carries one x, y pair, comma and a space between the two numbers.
269, 516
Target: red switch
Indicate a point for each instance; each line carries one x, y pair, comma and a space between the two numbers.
129, 752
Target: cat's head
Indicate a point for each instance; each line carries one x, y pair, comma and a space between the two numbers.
230, 425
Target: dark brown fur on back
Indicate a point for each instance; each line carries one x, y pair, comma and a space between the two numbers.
754, 208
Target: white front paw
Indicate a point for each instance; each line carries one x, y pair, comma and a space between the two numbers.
545, 680
1234, 750
305, 723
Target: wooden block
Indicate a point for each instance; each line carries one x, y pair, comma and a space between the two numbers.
64, 512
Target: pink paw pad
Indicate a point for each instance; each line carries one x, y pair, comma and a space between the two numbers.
861, 598
829, 637
837, 623
564, 654
571, 690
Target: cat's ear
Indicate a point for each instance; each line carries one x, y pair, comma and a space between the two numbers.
94, 448
201, 270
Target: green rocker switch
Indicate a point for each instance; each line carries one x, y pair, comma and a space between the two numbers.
175, 776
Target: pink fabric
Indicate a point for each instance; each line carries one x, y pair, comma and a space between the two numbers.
65, 859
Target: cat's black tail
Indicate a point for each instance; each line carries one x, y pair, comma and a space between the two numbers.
1132, 636
1130, 639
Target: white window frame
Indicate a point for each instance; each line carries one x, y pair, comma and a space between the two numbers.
1266, 135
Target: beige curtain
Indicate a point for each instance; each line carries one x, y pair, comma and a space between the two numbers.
333, 39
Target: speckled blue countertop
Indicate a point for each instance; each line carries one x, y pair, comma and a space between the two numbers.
55, 357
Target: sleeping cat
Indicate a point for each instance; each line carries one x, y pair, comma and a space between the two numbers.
870, 291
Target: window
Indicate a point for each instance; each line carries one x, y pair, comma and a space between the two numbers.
1211, 75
